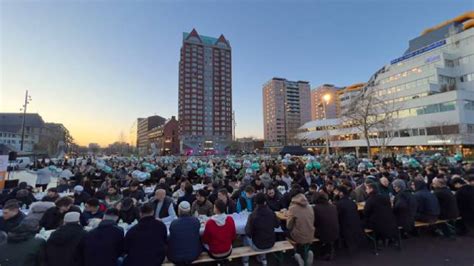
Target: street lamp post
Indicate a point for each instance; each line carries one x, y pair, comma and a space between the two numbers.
326, 99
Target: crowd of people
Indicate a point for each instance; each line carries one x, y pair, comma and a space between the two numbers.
164, 201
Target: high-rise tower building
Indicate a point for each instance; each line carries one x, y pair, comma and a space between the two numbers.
205, 94
286, 106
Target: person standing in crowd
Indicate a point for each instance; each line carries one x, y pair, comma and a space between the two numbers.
428, 205
52, 195
260, 229
350, 224
22, 248
53, 217
80, 196
300, 224
245, 200
163, 206
91, 211
184, 241
201, 206
43, 177
223, 195
12, 216
145, 242
104, 244
465, 199
378, 213
64, 246
447, 201
404, 206
219, 233
306, 181
326, 224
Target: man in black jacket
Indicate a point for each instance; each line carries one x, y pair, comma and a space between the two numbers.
104, 244
146, 241
273, 199
378, 213
350, 224
12, 216
465, 200
260, 229
447, 201
64, 246
326, 224
428, 205
53, 217
404, 206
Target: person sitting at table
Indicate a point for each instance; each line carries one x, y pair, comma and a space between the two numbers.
300, 224
80, 196
306, 181
326, 224
257, 184
163, 206
104, 244
428, 205
37, 210
63, 186
52, 195
378, 213
22, 247
113, 196
245, 200
313, 188
91, 211
128, 212
12, 216
349, 219
184, 241
145, 242
53, 217
223, 195
64, 246
188, 194
201, 206
25, 198
404, 206
273, 199
219, 233
260, 229
134, 191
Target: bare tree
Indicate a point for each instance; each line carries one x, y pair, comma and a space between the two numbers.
372, 117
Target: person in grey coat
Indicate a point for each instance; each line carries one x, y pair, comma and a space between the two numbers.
43, 177
37, 209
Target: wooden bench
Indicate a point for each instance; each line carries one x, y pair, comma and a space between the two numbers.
280, 246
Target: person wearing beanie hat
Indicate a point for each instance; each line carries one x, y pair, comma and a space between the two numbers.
104, 244
22, 248
404, 206
64, 246
184, 242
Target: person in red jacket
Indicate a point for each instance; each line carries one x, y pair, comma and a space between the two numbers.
219, 233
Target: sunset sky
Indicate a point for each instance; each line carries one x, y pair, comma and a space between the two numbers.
96, 66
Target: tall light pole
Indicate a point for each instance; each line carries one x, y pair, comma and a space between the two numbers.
24, 108
326, 99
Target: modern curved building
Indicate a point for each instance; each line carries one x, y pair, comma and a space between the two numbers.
430, 88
